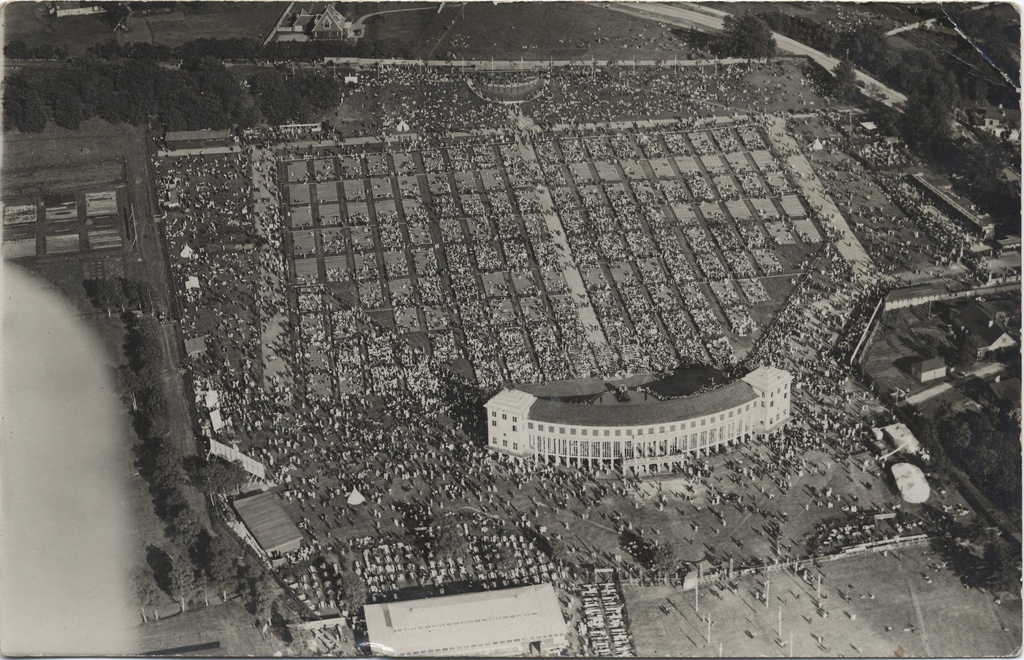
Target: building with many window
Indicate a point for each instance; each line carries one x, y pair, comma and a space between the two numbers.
642, 435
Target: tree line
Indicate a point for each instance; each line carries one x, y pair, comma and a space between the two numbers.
200, 94
986, 447
196, 562
232, 48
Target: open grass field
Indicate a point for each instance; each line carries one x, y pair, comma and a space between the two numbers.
885, 15
59, 159
29, 22
228, 624
221, 20
532, 30
948, 620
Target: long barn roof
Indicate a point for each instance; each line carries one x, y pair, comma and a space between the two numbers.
465, 624
268, 522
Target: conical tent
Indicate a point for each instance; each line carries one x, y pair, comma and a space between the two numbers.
355, 497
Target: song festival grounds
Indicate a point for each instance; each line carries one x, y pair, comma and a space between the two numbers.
673, 243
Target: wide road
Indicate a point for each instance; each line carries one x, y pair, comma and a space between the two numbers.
711, 19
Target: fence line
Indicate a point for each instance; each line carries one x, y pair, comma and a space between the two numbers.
485, 66
902, 298
718, 574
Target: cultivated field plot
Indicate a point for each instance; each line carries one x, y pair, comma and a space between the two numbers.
100, 203
62, 243
52, 223
20, 214
19, 248
660, 247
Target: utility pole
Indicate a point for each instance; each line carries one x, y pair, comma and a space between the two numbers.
819, 586
780, 621
767, 590
696, 592
791, 643
709, 629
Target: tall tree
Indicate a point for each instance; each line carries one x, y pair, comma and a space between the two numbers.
354, 590
664, 560
844, 85
221, 565
105, 293
183, 580
147, 594
748, 36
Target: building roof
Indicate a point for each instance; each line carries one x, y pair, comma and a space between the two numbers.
643, 412
205, 134
767, 378
514, 401
330, 20
268, 522
1003, 114
931, 364
1006, 264
975, 321
465, 624
901, 436
915, 291
1007, 390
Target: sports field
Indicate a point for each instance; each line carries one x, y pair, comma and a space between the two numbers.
862, 596
532, 30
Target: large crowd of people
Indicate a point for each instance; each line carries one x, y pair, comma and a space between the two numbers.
411, 280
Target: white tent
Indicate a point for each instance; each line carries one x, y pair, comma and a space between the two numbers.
901, 437
187, 252
817, 145
402, 126
912, 483
355, 497
192, 283
215, 420
212, 399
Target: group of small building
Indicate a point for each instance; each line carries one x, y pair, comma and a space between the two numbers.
314, 22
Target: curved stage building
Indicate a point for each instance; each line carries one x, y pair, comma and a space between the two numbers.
641, 435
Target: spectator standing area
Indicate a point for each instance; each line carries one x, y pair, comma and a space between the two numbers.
611, 253
525, 621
